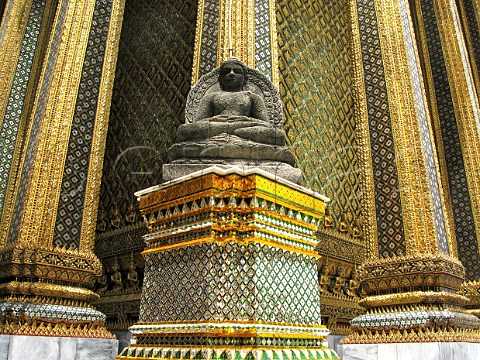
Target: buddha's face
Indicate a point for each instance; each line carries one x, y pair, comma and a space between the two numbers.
232, 77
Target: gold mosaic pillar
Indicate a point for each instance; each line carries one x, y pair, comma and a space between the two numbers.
452, 81
245, 29
47, 264
412, 271
230, 269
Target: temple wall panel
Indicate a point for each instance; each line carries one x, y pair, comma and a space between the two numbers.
316, 89
153, 77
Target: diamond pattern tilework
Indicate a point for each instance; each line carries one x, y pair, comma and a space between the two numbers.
13, 113
425, 132
263, 54
230, 282
208, 48
71, 204
35, 132
467, 243
315, 85
149, 94
387, 196
474, 30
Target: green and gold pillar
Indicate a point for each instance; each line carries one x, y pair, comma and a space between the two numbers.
66, 54
412, 272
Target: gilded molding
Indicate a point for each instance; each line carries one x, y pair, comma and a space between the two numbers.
274, 44
92, 191
419, 335
369, 226
24, 325
467, 108
48, 290
198, 42
415, 271
12, 32
47, 168
412, 298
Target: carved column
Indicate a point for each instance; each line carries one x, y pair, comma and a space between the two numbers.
47, 264
412, 271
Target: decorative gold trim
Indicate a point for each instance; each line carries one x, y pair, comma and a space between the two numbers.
92, 190
198, 42
12, 32
369, 225
274, 44
42, 194
232, 323
50, 290
23, 325
420, 335
232, 239
466, 105
416, 297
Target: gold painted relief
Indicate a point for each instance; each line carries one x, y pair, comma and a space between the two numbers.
369, 226
466, 105
92, 191
37, 221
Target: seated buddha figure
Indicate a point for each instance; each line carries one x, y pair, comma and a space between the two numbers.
233, 116
232, 110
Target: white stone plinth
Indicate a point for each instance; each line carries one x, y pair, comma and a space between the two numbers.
16, 347
412, 351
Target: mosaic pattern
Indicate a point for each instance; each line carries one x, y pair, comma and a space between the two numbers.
474, 30
71, 204
13, 114
230, 282
50, 311
39, 111
315, 86
210, 33
462, 210
263, 45
226, 354
391, 239
425, 134
149, 94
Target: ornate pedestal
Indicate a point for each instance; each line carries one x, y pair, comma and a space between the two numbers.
230, 270
412, 300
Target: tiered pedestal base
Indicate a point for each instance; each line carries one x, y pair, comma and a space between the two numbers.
412, 351
230, 270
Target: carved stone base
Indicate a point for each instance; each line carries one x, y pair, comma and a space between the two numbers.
17, 347
282, 170
412, 351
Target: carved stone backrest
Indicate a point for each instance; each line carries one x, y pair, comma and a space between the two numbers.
257, 83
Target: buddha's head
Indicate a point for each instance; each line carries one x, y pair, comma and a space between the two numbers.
233, 75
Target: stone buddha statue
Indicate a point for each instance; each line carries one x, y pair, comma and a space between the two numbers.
233, 116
